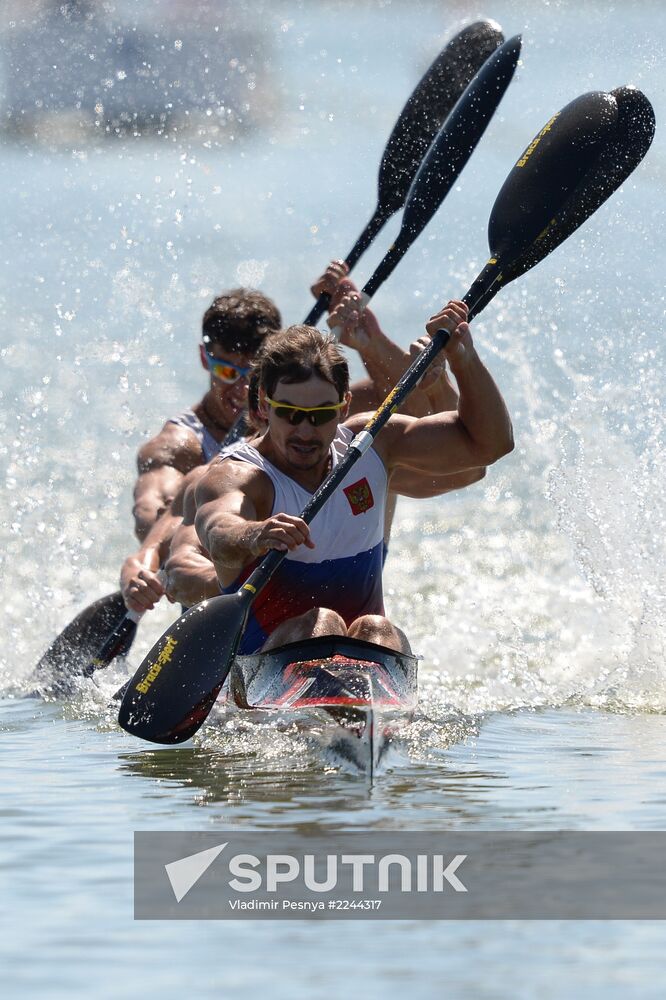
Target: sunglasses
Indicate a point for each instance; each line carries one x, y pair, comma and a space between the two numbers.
226, 371
316, 415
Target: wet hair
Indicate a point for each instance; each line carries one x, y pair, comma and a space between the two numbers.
298, 353
240, 320
253, 392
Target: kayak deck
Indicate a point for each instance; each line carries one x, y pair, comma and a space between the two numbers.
361, 690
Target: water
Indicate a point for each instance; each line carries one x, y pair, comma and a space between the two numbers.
535, 597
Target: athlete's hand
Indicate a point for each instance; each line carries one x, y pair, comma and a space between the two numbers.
141, 587
435, 371
330, 279
355, 324
453, 317
347, 319
283, 532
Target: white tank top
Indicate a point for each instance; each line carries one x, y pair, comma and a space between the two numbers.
209, 446
344, 570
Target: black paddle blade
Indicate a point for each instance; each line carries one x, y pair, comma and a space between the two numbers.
73, 649
175, 687
452, 148
458, 138
428, 107
547, 173
421, 118
117, 643
620, 154
627, 140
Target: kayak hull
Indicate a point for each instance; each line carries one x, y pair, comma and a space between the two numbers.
360, 691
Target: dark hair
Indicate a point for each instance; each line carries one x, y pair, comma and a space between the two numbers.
254, 422
240, 320
253, 392
297, 353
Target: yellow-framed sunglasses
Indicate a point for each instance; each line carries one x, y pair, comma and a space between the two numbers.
316, 415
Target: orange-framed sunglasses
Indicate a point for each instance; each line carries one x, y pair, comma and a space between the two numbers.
226, 371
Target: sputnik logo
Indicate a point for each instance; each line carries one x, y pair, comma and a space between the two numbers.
186, 872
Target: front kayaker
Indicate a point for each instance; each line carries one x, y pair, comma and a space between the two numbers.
330, 583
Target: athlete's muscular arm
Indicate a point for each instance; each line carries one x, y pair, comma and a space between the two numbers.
190, 574
162, 463
421, 486
141, 585
233, 519
478, 434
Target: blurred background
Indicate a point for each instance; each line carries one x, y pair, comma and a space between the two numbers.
155, 152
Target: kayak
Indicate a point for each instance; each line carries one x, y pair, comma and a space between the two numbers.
353, 695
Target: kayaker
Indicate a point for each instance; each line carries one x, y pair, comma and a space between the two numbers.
233, 328
330, 583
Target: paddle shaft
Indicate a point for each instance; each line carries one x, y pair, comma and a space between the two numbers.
118, 640
378, 220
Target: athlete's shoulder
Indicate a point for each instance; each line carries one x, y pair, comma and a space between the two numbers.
226, 476
385, 441
176, 445
356, 422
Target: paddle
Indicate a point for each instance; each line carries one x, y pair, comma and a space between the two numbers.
78, 643
619, 155
99, 633
175, 687
448, 154
431, 102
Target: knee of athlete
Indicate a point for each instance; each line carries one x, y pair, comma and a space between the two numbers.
377, 628
325, 621
370, 623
